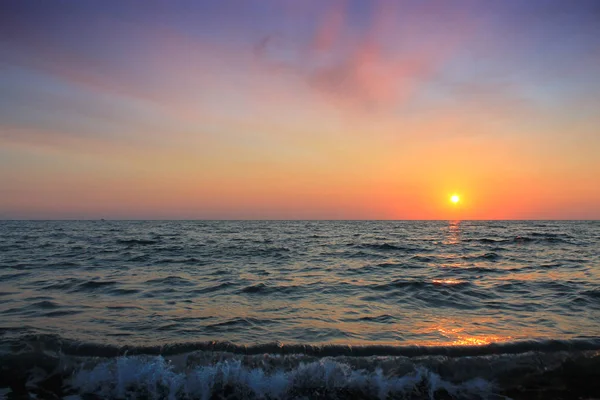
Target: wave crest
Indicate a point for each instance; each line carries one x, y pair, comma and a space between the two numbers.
208, 374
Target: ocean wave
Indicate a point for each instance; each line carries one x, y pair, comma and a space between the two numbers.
171, 280
137, 242
384, 318
55, 368
483, 257
156, 378
17, 275
421, 284
63, 264
67, 283
45, 304
595, 294
422, 258
384, 246
91, 285
59, 313
485, 240
215, 288
261, 288
240, 322
15, 265
489, 256
55, 343
540, 238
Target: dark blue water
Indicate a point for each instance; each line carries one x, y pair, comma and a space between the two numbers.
328, 291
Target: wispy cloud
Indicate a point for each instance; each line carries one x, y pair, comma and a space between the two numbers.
378, 67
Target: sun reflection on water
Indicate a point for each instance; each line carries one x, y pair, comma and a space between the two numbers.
453, 233
457, 332
446, 282
457, 337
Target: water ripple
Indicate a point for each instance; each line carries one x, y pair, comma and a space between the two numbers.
346, 282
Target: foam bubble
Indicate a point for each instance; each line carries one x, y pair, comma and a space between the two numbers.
155, 378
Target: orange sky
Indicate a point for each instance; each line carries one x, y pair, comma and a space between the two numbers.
305, 112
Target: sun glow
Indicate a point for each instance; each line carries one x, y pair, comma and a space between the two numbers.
454, 199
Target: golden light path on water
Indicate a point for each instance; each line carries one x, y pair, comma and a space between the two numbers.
455, 329
395, 283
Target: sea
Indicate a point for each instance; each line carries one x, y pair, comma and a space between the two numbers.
299, 309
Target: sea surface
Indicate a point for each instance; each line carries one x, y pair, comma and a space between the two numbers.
300, 309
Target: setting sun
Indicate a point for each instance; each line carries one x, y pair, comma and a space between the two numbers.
454, 199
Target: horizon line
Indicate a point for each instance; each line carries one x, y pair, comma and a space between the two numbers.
284, 220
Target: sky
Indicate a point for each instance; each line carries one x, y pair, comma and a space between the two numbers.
288, 109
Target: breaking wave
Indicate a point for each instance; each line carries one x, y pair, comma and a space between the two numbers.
53, 367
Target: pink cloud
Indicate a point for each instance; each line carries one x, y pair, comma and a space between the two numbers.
379, 67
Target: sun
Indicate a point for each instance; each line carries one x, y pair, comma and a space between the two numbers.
454, 199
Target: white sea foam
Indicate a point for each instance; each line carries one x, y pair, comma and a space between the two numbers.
156, 378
